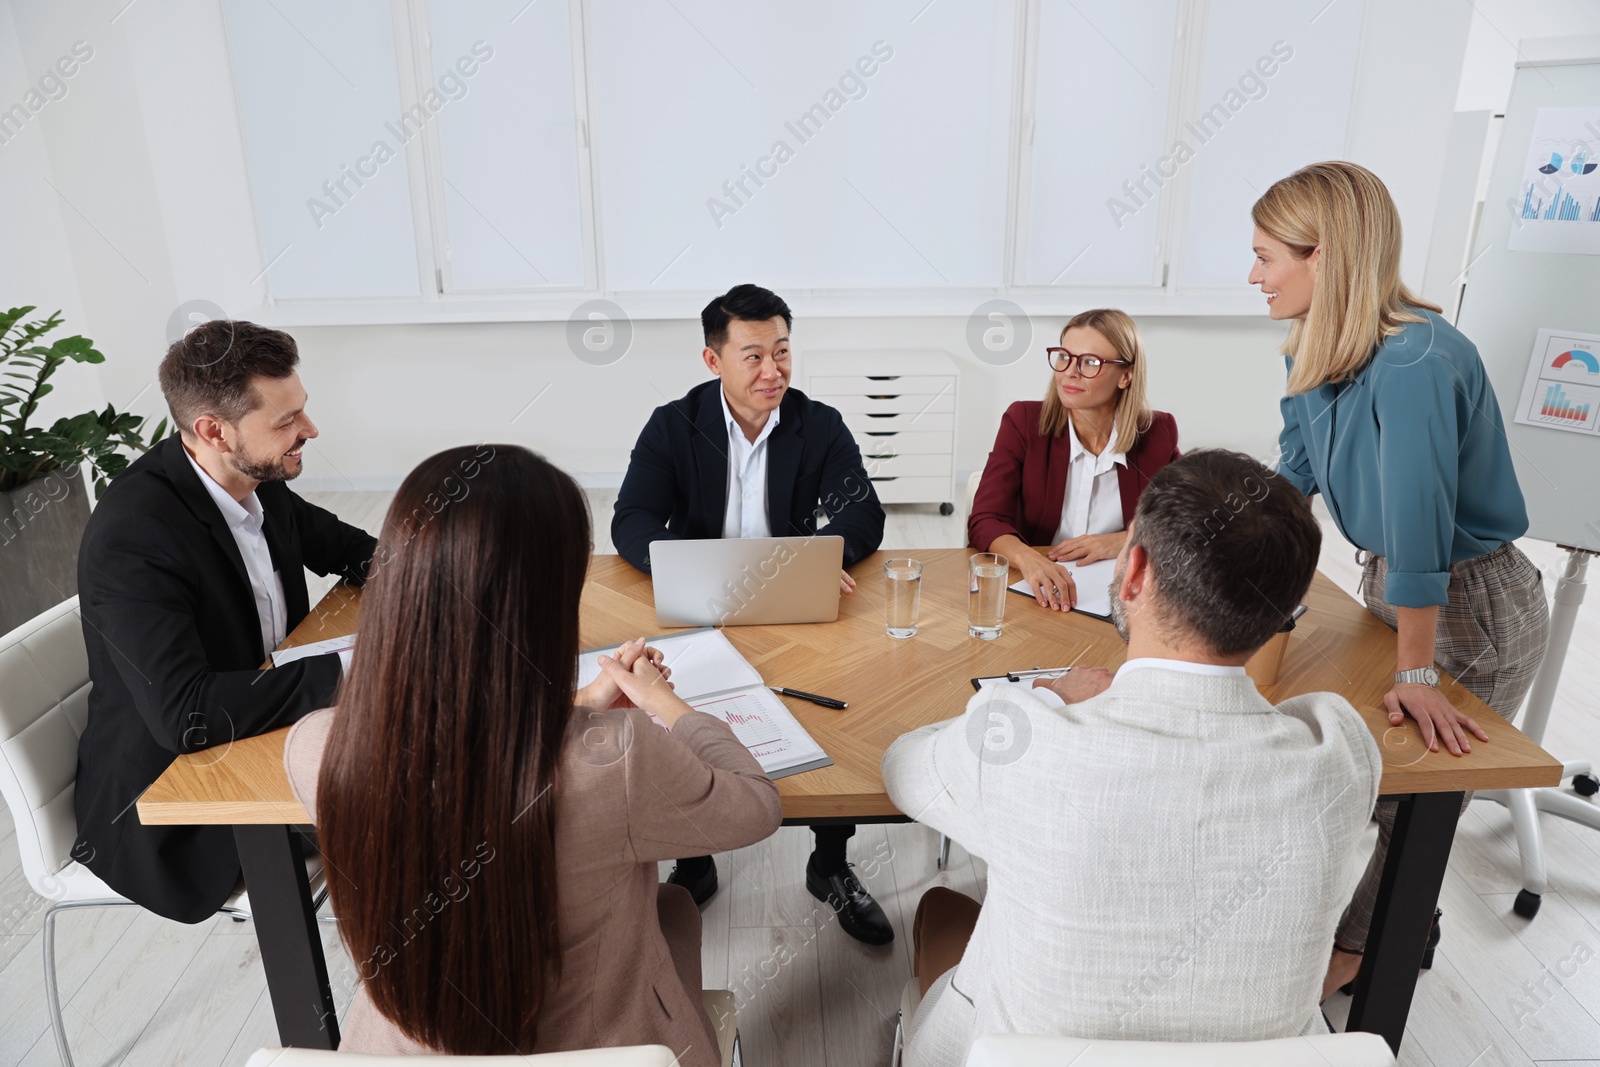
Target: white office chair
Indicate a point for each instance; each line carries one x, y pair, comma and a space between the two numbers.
718, 1004
632, 1056
1324, 1050
44, 704
1029, 1050
973, 479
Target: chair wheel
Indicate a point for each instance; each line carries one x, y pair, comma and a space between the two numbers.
1586, 785
947, 508
1527, 904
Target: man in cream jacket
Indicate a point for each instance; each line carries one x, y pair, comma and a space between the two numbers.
1167, 851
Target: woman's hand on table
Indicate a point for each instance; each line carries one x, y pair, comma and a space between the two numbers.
603, 693
646, 686
1440, 721
1052, 586
1090, 548
847, 584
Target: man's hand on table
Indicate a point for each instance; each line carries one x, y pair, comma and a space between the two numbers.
1078, 684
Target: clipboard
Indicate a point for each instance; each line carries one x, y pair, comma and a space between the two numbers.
1019, 676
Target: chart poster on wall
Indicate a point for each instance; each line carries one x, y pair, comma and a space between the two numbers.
1562, 389
1560, 207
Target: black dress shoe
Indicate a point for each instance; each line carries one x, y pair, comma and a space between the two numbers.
702, 885
859, 914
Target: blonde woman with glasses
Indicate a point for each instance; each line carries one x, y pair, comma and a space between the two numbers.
1066, 472
1390, 416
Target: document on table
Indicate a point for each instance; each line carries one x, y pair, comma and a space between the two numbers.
316, 648
1094, 587
711, 676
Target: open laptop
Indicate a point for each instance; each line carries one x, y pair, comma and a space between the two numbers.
746, 581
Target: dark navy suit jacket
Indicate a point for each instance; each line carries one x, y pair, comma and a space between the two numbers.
677, 480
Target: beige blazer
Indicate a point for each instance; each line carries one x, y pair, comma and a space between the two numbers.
631, 794
1166, 860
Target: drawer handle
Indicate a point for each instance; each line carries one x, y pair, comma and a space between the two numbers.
881, 433
881, 415
883, 377
891, 478
883, 396
891, 455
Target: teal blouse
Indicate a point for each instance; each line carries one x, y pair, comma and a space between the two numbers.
1411, 457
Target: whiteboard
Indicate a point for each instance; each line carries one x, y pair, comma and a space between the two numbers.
901, 181
317, 90
1510, 295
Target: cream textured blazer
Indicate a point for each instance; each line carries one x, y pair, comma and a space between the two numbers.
1166, 860
629, 794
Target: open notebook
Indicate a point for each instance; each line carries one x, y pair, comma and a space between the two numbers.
711, 676
1094, 587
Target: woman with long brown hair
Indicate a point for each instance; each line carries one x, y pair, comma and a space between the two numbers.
1066, 472
491, 833
1388, 413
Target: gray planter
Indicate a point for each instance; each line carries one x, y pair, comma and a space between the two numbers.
41, 525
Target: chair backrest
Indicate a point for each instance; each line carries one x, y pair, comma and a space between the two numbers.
631, 1056
44, 705
972, 488
1323, 1050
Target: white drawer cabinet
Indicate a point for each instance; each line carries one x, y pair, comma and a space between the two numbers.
901, 408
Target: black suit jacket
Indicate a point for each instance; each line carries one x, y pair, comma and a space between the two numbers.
174, 646
677, 480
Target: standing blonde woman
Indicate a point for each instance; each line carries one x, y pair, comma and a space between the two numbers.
1390, 416
1067, 471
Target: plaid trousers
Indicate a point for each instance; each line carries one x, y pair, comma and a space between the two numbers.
1491, 638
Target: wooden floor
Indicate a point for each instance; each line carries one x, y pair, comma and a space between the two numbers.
142, 990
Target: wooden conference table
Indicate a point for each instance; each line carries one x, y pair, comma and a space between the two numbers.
892, 686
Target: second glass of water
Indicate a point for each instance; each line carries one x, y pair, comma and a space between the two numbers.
902, 596
988, 576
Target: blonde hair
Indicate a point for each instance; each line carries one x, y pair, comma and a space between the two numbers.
1132, 414
1344, 210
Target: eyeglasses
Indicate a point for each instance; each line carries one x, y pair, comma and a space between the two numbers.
1088, 366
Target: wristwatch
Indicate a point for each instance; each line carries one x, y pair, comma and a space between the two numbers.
1422, 676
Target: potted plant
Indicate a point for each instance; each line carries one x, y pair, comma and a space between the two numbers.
43, 503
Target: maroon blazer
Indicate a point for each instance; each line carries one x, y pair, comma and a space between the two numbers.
1025, 480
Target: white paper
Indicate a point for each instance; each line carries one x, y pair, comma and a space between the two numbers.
1561, 390
1045, 693
1094, 586
711, 676
316, 648
1558, 209
702, 662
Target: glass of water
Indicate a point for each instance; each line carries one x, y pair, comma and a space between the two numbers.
902, 596
988, 576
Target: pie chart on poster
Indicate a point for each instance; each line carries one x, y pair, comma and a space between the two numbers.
1576, 363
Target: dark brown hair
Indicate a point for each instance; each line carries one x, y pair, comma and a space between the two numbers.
437, 791
210, 370
1234, 547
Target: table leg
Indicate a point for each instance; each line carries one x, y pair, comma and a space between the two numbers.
273, 858
1419, 850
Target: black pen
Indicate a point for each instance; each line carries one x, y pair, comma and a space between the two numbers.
827, 702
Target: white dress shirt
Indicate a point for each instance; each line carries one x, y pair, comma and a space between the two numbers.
244, 520
1092, 503
1212, 670
746, 514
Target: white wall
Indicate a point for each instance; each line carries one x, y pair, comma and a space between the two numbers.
35, 258
1497, 26
146, 145
386, 396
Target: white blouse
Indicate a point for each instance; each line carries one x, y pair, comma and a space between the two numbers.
1092, 503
